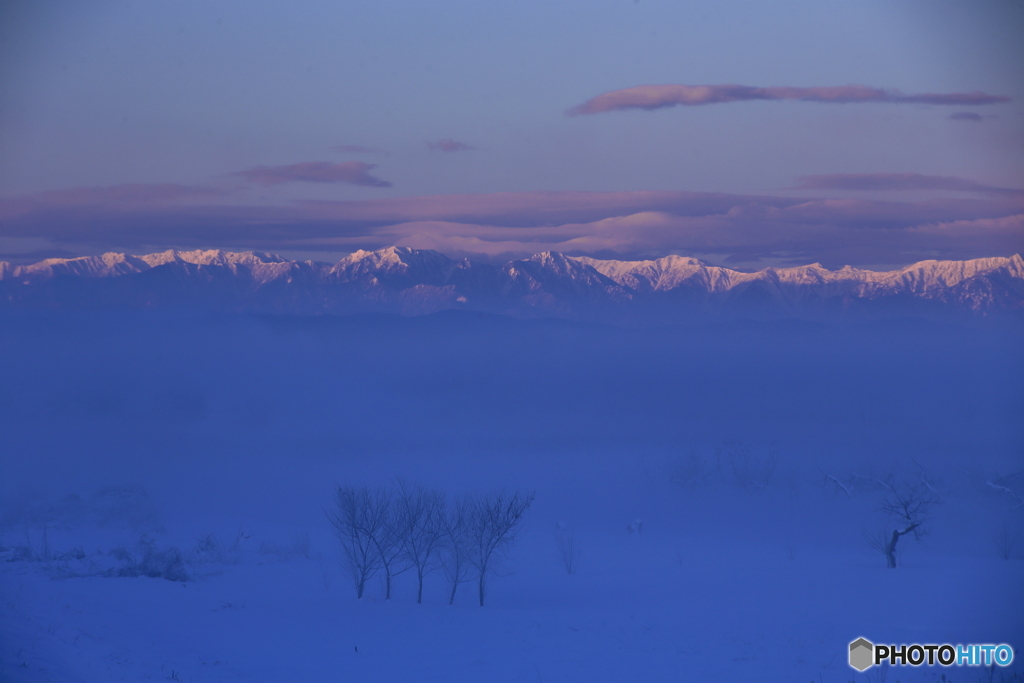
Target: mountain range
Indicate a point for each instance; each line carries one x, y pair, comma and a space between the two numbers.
413, 282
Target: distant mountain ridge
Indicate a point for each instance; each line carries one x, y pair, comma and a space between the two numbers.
415, 281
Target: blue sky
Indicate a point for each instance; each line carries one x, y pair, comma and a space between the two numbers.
224, 118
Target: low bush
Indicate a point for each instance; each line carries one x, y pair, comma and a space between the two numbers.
148, 560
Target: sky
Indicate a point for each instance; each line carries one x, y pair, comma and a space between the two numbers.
873, 134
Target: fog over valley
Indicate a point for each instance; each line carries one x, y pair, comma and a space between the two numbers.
747, 447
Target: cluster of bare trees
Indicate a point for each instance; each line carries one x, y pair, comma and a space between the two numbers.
732, 462
410, 527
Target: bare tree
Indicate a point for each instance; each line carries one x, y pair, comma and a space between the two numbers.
494, 522
748, 470
1001, 485
389, 542
419, 525
455, 547
907, 504
568, 548
732, 461
835, 485
1006, 539
359, 518
877, 539
694, 469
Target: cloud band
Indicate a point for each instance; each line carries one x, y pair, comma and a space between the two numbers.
352, 172
740, 228
651, 97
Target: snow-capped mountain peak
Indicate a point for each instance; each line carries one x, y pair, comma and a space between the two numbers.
211, 257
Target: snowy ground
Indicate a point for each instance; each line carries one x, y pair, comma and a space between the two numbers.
676, 601
226, 445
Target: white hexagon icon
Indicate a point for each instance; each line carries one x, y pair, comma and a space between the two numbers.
862, 654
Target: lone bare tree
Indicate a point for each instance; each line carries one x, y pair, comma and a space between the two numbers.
359, 518
419, 522
494, 523
907, 504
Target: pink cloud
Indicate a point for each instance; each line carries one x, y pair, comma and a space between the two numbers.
526, 209
354, 172
657, 96
738, 238
892, 181
449, 145
1007, 227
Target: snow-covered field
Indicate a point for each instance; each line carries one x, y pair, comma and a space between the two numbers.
750, 459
